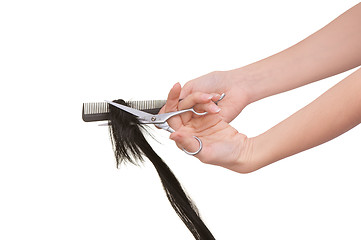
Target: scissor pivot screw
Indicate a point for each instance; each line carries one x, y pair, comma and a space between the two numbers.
153, 119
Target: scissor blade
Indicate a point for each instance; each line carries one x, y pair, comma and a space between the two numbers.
140, 114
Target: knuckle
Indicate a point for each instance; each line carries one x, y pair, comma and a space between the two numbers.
215, 74
197, 95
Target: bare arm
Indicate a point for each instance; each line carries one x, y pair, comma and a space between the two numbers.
333, 49
333, 113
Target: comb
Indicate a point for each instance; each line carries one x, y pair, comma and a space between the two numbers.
99, 111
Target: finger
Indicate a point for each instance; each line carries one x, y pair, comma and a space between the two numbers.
186, 90
189, 143
201, 102
216, 97
193, 99
173, 98
202, 83
172, 95
172, 106
162, 110
210, 107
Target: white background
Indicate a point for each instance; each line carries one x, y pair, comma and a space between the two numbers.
58, 178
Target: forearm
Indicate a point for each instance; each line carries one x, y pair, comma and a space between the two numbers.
330, 115
332, 50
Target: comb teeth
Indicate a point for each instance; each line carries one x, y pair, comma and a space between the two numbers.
146, 104
99, 111
95, 108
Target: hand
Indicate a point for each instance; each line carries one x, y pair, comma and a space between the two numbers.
222, 144
221, 82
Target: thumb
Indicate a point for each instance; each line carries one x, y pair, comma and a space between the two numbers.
186, 90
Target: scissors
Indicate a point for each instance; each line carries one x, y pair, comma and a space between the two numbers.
160, 120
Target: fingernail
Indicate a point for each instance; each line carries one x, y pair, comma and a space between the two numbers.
207, 96
215, 108
217, 96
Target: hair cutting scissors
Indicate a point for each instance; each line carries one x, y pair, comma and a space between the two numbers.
160, 120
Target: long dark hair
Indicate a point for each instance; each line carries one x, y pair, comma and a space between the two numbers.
130, 145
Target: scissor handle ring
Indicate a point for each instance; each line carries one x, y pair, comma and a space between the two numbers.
197, 113
196, 152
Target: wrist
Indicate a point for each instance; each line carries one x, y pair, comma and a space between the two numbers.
255, 154
248, 159
255, 80
266, 150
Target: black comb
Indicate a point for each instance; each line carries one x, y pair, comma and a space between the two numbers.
99, 111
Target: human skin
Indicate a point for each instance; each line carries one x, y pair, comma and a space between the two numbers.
333, 113
222, 144
333, 49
